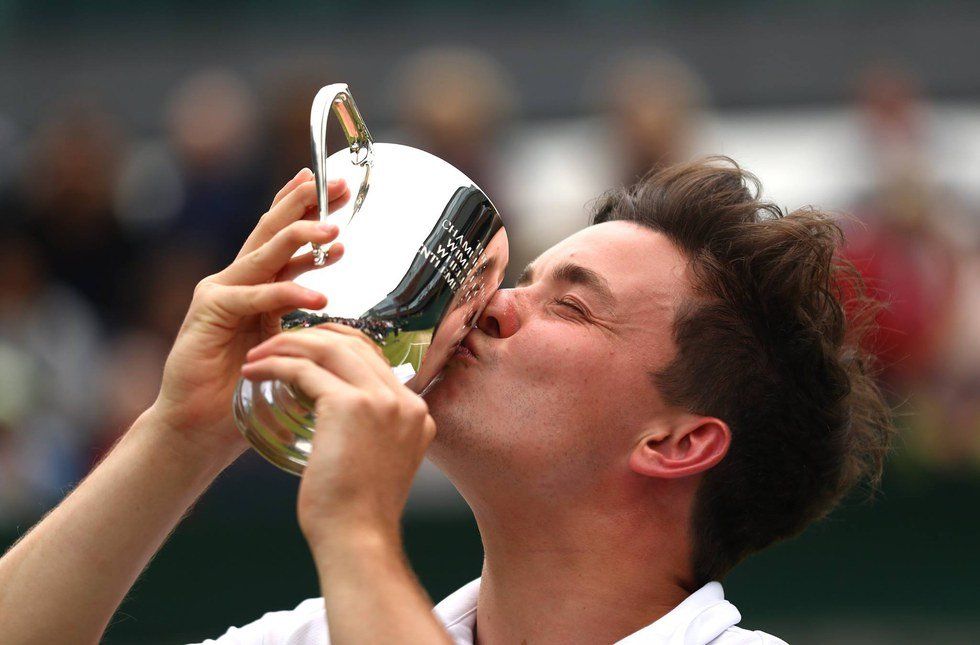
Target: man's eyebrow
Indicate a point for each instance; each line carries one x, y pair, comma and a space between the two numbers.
527, 275
575, 274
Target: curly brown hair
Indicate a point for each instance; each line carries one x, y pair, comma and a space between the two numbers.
772, 344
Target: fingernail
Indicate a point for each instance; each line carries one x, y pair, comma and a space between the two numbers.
327, 227
304, 171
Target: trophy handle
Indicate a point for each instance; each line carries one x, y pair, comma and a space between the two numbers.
338, 97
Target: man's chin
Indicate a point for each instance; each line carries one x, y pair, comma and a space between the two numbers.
448, 380
436, 390
444, 395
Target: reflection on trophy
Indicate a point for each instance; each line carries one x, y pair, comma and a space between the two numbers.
425, 249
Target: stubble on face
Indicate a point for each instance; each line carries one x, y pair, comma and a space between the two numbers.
447, 405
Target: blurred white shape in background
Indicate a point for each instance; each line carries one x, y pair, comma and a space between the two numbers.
802, 157
553, 173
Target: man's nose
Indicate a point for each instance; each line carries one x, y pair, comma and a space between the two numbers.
499, 319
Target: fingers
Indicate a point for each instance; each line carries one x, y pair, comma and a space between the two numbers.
398, 411
291, 207
301, 264
227, 304
313, 380
364, 345
360, 337
303, 175
354, 360
266, 262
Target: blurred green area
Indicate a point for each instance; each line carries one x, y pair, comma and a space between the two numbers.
900, 567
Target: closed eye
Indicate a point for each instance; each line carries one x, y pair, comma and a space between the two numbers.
571, 304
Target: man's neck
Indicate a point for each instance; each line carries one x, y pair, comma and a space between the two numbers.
551, 577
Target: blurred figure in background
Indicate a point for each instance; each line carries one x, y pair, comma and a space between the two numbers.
960, 357
162, 285
896, 139
288, 95
213, 128
204, 180
10, 151
67, 197
50, 353
209, 179
647, 108
654, 102
455, 102
287, 115
905, 250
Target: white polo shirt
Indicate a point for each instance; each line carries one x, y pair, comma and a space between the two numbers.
704, 618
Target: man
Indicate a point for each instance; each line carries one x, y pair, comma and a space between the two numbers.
664, 393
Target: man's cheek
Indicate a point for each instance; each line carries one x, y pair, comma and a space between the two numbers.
554, 362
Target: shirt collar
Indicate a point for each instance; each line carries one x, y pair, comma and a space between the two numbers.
458, 612
700, 618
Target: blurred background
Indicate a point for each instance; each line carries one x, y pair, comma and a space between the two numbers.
140, 141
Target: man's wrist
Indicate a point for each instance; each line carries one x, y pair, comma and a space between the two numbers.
176, 443
346, 540
364, 573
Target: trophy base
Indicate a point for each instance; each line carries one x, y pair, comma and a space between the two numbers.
277, 421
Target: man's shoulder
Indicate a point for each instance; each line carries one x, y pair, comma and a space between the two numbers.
739, 636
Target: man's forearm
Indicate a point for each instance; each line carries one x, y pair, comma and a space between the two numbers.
63, 581
371, 594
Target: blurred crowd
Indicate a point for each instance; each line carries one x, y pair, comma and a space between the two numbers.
106, 231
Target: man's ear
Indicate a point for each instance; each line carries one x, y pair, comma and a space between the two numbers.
689, 445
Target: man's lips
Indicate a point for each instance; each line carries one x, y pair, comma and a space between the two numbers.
465, 350
469, 345
464, 353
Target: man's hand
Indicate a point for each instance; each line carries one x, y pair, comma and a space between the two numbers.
371, 435
64, 579
235, 309
371, 431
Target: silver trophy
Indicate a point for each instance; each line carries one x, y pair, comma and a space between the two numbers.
424, 251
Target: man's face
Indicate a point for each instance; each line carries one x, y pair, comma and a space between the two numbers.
557, 390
